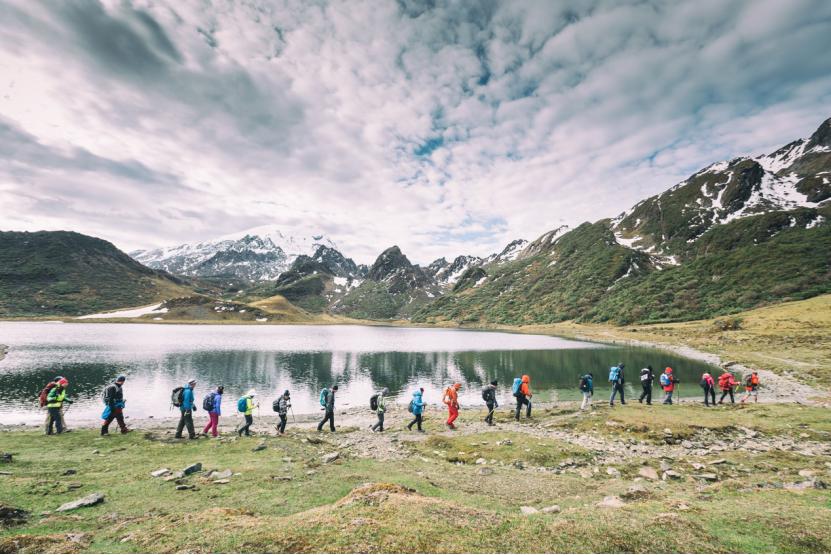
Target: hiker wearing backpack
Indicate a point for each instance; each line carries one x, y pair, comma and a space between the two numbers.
281, 406
489, 396
647, 377
44, 393
114, 404
726, 382
708, 384
212, 403
451, 399
617, 381
417, 409
668, 382
54, 403
380, 409
246, 406
522, 392
751, 388
187, 406
327, 397
587, 388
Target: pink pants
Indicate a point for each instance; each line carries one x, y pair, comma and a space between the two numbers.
212, 424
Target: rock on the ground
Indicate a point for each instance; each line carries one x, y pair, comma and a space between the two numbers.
636, 491
70, 472
806, 473
260, 447
612, 471
88, 501
485, 471
225, 481
649, 473
611, 502
551, 509
160, 472
10, 516
698, 466
224, 475
330, 457
718, 461
195, 467
709, 477
480, 460
670, 475
185, 487
528, 510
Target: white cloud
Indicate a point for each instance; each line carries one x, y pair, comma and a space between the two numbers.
445, 130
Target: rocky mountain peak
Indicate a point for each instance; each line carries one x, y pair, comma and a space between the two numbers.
822, 136
389, 262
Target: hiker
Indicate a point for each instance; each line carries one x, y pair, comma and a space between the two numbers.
647, 377
726, 382
417, 409
751, 387
522, 392
489, 396
114, 409
212, 403
708, 384
587, 387
44, 393
380, 410
187, 408
617, 381
282, 406
327, 397
54, 403
246, 405
668, 382
451, 399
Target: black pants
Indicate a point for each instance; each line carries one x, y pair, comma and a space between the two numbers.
491, 409
54, 418
186, 420
416, 420
330, 416
523, 400
709, 392
380, 424
246, 428
118, 416
282, 427
617, 388
725, 393
647, 394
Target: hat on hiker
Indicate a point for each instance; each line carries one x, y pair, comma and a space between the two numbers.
252, 393
63, 382
192, 382
121, 378
494, 382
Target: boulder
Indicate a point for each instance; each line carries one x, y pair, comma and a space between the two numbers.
195, 467
612, 471
611, 502
552, 509
708, 477
224, 475
649, 473
314, 440
806, 473
528, 510
671, 475
222, 481
330, 457
698, 466
88, 501
160, 472
485, 471
174, 476
260, 447
480, 460
10, 516
636, 491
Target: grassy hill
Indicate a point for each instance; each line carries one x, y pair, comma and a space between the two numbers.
61, 273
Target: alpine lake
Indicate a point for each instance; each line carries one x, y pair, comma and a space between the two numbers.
302, 359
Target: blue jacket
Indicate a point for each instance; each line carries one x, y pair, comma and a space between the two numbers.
217, 402
187, 400
418, 404
589, 387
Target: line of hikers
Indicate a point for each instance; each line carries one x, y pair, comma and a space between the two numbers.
53, 398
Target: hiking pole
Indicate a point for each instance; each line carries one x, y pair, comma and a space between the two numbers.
293, 419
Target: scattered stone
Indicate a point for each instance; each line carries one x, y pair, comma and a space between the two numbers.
670, 475
612, 471
76, 538
196, 467
611, 502
505, 442
10, 516
519, 464
698, 466
528, 510
160, 472
282, 478
552, 509
311, 472
718, 461
96, 452
74, 485
706, 477
4, 473
314, 440
330, 457
127, 538
6, 457
88, 501
649, 473
224, 475
485, 471
260, 447
636, 491
686, 444
222, 481
480, 460
174, 476
682, 507
69, 472
185, 487
803, 435
805, 473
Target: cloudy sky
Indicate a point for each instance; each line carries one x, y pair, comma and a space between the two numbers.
443, 127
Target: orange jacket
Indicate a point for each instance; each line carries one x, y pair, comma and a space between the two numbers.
525, 388
451, 395
726, 381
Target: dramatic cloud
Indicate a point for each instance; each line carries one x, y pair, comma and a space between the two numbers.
443, 127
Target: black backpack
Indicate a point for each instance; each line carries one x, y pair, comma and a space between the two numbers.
373, 402
177, 396
276, 405
646, 375
208, 401
488, 394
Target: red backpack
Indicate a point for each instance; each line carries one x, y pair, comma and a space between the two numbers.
45, 393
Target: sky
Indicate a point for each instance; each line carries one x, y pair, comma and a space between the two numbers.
443, 127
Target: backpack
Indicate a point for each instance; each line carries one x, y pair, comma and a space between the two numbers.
517, 387
411, 406
754, 379
44, 393
584, 383
242, 404
373, 402
177, 396
748, 381
208, 401
486, 394
665, 381
324, 393
703, 383
275, 405
614, 374
645, 375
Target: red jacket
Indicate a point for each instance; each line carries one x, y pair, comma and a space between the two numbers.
727, 382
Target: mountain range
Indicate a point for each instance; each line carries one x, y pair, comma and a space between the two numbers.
734, 235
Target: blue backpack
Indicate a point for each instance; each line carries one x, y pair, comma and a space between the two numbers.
664, 379
242, 404
323, 394
516, 387
614, 374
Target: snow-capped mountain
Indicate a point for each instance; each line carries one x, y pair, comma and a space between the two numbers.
258, 254
446, 273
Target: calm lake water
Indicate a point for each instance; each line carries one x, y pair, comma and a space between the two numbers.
361, 359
